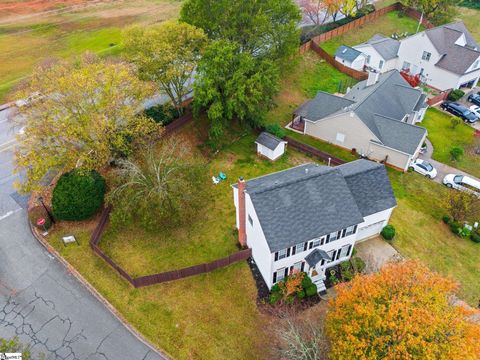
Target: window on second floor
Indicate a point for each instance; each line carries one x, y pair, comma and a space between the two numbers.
282, 254
426, 56
333, 236
299, 248
350, 230
380, 64
368, 59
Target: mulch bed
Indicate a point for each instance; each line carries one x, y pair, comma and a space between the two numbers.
280, 310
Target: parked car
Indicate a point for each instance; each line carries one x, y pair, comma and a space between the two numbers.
459, 110
462, 183
423, 167
474, 98
476, 110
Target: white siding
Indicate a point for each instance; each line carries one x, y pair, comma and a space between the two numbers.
271, 154
375, 59
356, 64
373, 224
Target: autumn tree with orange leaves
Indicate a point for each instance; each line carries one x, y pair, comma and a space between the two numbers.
401, 312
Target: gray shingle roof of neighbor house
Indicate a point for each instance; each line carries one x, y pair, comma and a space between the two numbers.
347, 53
310, 200
381, 107
455, 58
322, 105
315, 256
385, 46
268, 140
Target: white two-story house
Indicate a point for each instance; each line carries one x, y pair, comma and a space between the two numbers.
309, 217
446, 57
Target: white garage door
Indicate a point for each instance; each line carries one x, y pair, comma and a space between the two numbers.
370, 230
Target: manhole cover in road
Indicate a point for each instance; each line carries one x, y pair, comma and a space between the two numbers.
21, 200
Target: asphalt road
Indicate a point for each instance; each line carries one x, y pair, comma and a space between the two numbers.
40, 302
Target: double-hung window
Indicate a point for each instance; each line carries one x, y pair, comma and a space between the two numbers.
426, 56
333, 236
345, 250
279, 275
282, 254
299, 248
350, 231
331, 255
315, 243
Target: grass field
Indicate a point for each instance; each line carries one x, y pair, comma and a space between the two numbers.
387, 25
29, 40
422, 235
444, 137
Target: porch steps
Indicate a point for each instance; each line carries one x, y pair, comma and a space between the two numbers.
320, 286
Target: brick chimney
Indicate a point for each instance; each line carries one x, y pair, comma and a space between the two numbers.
242, 234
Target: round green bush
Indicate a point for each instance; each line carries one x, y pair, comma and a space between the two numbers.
455, 95
276, 130
311, 290
306, 282
475, 237
301, 294
446, 219
78, 195
455, 228
388, 232
38, 213
274, 298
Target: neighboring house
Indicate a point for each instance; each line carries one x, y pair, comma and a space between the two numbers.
376, 118
380, 52
350, 57
270, 146
446, 57
308, 218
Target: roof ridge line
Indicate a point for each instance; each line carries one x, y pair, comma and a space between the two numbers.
293, 181
399, 121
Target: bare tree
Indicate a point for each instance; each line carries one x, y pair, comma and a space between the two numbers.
302, 341
314, 10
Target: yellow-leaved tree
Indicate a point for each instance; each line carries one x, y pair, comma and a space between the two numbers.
401, 312
83, 114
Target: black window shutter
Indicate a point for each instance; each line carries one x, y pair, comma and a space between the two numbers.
274, 277
311, 245
303, 267
355, 229
276, 256
291, 269
338, 254
286, 272
288, 252
305, 246
328, 239
322, 241
344, 232
349, 249
333, 255
339, 233
294, 250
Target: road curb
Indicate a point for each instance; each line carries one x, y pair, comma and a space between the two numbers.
71, 270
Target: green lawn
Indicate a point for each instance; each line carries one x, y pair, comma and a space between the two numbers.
307, 75
444, 137
422, 235
27, 42
210, 316
391, 23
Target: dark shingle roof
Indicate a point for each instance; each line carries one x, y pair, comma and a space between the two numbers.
315, 256
347, 53
370, 185
310, 200
390, 99
268, 140
385, 46
455, 58
322, 105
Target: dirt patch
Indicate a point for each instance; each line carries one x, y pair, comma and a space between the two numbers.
28, 7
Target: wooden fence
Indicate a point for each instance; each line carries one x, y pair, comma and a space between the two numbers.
357, 75
163, 276
439, 98
310, 150
168, 275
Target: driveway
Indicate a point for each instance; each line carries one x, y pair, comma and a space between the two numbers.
40, 302
442, 168
376, 252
